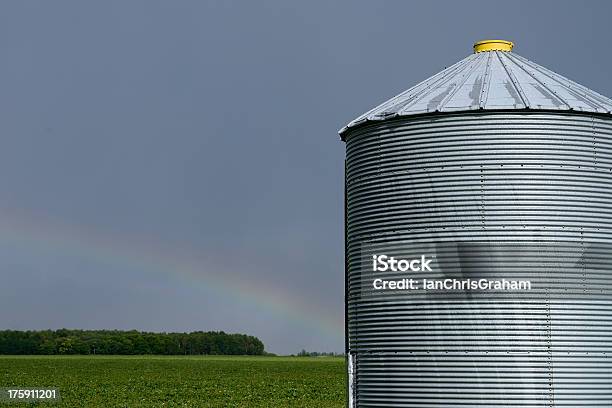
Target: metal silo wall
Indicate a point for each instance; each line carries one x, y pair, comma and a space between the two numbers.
514, 195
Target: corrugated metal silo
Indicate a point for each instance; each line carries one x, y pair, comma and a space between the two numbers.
496, 168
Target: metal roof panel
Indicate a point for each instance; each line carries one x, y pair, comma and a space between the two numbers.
490, 80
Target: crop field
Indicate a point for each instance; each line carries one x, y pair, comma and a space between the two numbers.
176, 381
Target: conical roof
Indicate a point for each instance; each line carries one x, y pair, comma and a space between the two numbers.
493, 78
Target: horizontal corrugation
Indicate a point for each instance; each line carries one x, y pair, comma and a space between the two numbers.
487, 195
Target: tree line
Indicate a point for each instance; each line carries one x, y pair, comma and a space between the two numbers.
305, 353
65, 341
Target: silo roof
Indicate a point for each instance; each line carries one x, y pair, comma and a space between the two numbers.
493, 78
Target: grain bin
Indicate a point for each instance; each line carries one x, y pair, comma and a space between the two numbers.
494, 169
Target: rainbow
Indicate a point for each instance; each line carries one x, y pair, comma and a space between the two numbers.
41, 233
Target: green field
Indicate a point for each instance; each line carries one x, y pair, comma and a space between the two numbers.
176, 381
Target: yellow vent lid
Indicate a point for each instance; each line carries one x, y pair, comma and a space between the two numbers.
493, 45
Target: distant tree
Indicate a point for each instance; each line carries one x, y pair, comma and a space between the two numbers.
305, 353
65, 346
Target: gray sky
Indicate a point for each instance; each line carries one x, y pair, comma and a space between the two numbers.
175, 165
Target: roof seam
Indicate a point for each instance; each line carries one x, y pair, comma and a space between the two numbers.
442, 80
513, 80
574, 87
391, 101
452, 93
486, 83
554, 93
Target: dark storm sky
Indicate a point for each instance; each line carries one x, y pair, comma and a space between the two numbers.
175, 165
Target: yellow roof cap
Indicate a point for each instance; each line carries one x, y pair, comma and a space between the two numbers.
493, 45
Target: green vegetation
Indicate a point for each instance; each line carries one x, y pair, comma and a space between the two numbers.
191, 381
115, 342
